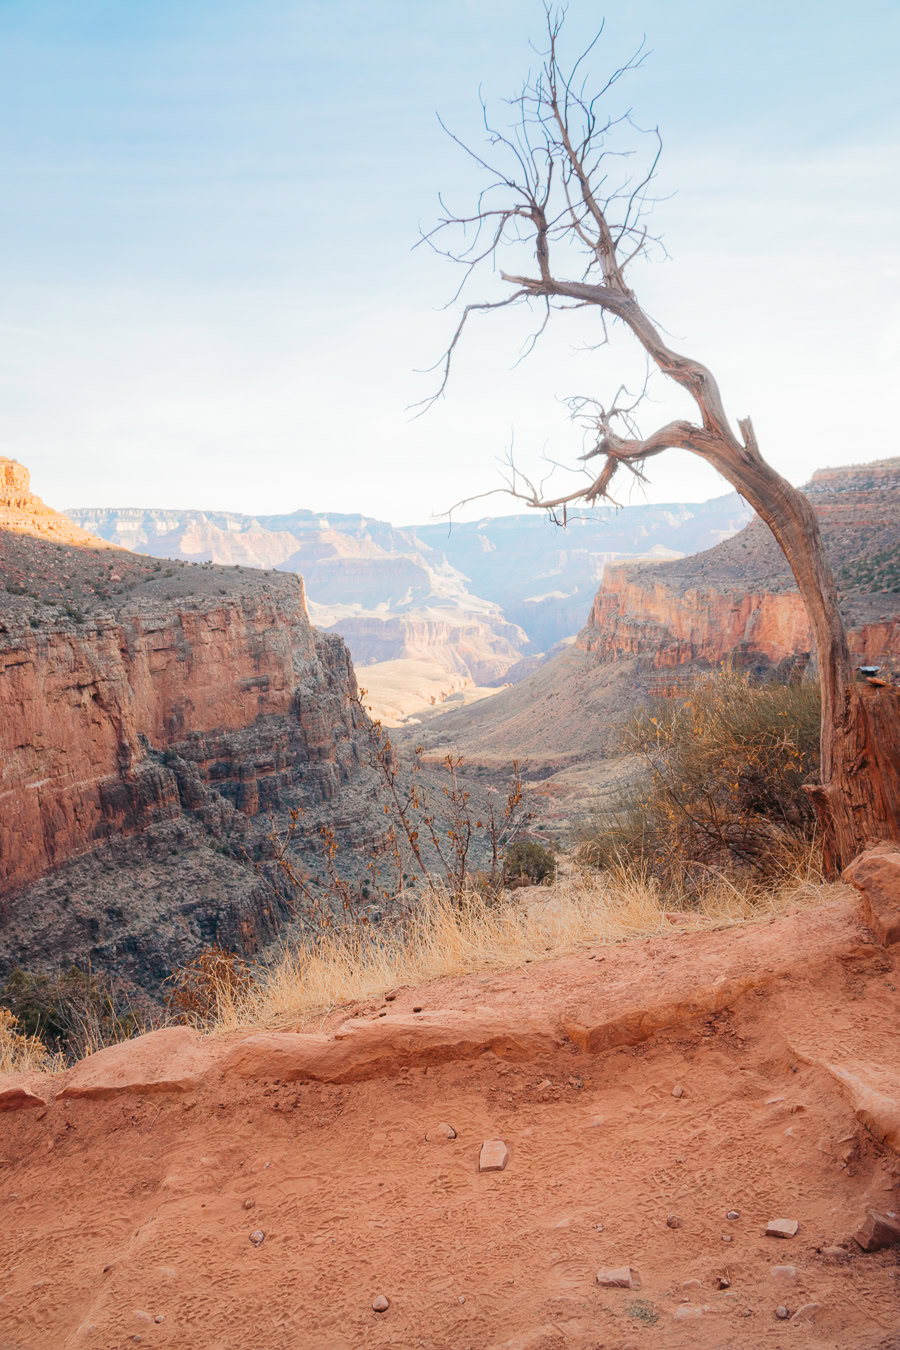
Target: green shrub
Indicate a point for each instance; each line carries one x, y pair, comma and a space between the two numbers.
527, 863
722, 784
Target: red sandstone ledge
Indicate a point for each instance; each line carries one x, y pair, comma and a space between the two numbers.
596, 1000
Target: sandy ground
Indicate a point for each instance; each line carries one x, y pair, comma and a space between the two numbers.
127, 1221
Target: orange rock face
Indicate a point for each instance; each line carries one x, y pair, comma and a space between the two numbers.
738, 602
118, 712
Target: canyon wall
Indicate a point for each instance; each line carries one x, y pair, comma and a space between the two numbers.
738, 603
179, 707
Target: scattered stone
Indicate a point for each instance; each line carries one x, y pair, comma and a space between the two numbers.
617, 1277
773, 1101
461, 1299
257, 1237
878, 1231
248, 1204
782, 1313
389, 998
784, 1273
598, 1227
726, 1237
807, 1313
494, 1156
380, 1304
678, 1090
782, 1228
440, 1133
418, 1008
544, 1086
160, 1317
673, 1221
141, 1315
723, 1282
689, 1310
833, 1251
692, 1284
733, 1214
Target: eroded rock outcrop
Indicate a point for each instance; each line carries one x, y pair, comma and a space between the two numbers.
182, 703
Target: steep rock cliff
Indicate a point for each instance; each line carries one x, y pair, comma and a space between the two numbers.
738, 602
179, 706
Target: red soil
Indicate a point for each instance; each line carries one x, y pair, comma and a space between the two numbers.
140, 1205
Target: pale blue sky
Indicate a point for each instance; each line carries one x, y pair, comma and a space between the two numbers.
208, 293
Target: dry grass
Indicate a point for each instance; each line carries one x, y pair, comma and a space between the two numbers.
23, 1054
437, 940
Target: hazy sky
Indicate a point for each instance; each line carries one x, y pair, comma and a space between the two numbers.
209, 296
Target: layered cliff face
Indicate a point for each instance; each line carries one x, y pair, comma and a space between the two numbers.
738, 602
178, 706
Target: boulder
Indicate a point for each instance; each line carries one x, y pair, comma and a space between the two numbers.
174, 1059
876, 875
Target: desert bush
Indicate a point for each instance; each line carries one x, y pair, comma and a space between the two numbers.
723, 783
528, 863
71, 1012
205, 989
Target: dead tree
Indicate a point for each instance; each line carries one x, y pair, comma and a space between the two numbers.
555, 187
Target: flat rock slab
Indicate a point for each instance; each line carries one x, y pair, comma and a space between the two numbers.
368, 1048
876, 875
616, 1277
174, 1059
18, 1091
782, 1228
494, 1156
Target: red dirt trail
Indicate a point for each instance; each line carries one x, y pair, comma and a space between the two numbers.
139, 1206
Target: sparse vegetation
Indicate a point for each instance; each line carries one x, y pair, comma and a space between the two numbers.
70, 1013
20, 1052
441, 938
723, 792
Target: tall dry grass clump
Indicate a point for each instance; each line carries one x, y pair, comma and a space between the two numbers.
20, 1052
722, 790
442, 938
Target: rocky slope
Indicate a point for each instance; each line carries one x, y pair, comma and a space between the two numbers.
738, 602
152, 718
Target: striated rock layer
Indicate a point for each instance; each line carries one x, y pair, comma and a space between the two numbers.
738, 602
181, 705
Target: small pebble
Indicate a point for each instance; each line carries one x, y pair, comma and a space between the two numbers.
733, 1214
673, 1221
726, 1237
160, 1317
417, 1008
257, 1236
724, 1282
782, 1228
462, 1298
782, 1313
248, 1204
678, 1090
381, 1304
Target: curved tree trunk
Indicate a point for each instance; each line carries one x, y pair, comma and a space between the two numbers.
858, 799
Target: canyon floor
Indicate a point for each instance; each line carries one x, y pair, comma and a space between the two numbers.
644, 1091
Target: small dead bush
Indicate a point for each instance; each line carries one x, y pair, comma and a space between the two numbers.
203, 991
19, 1052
